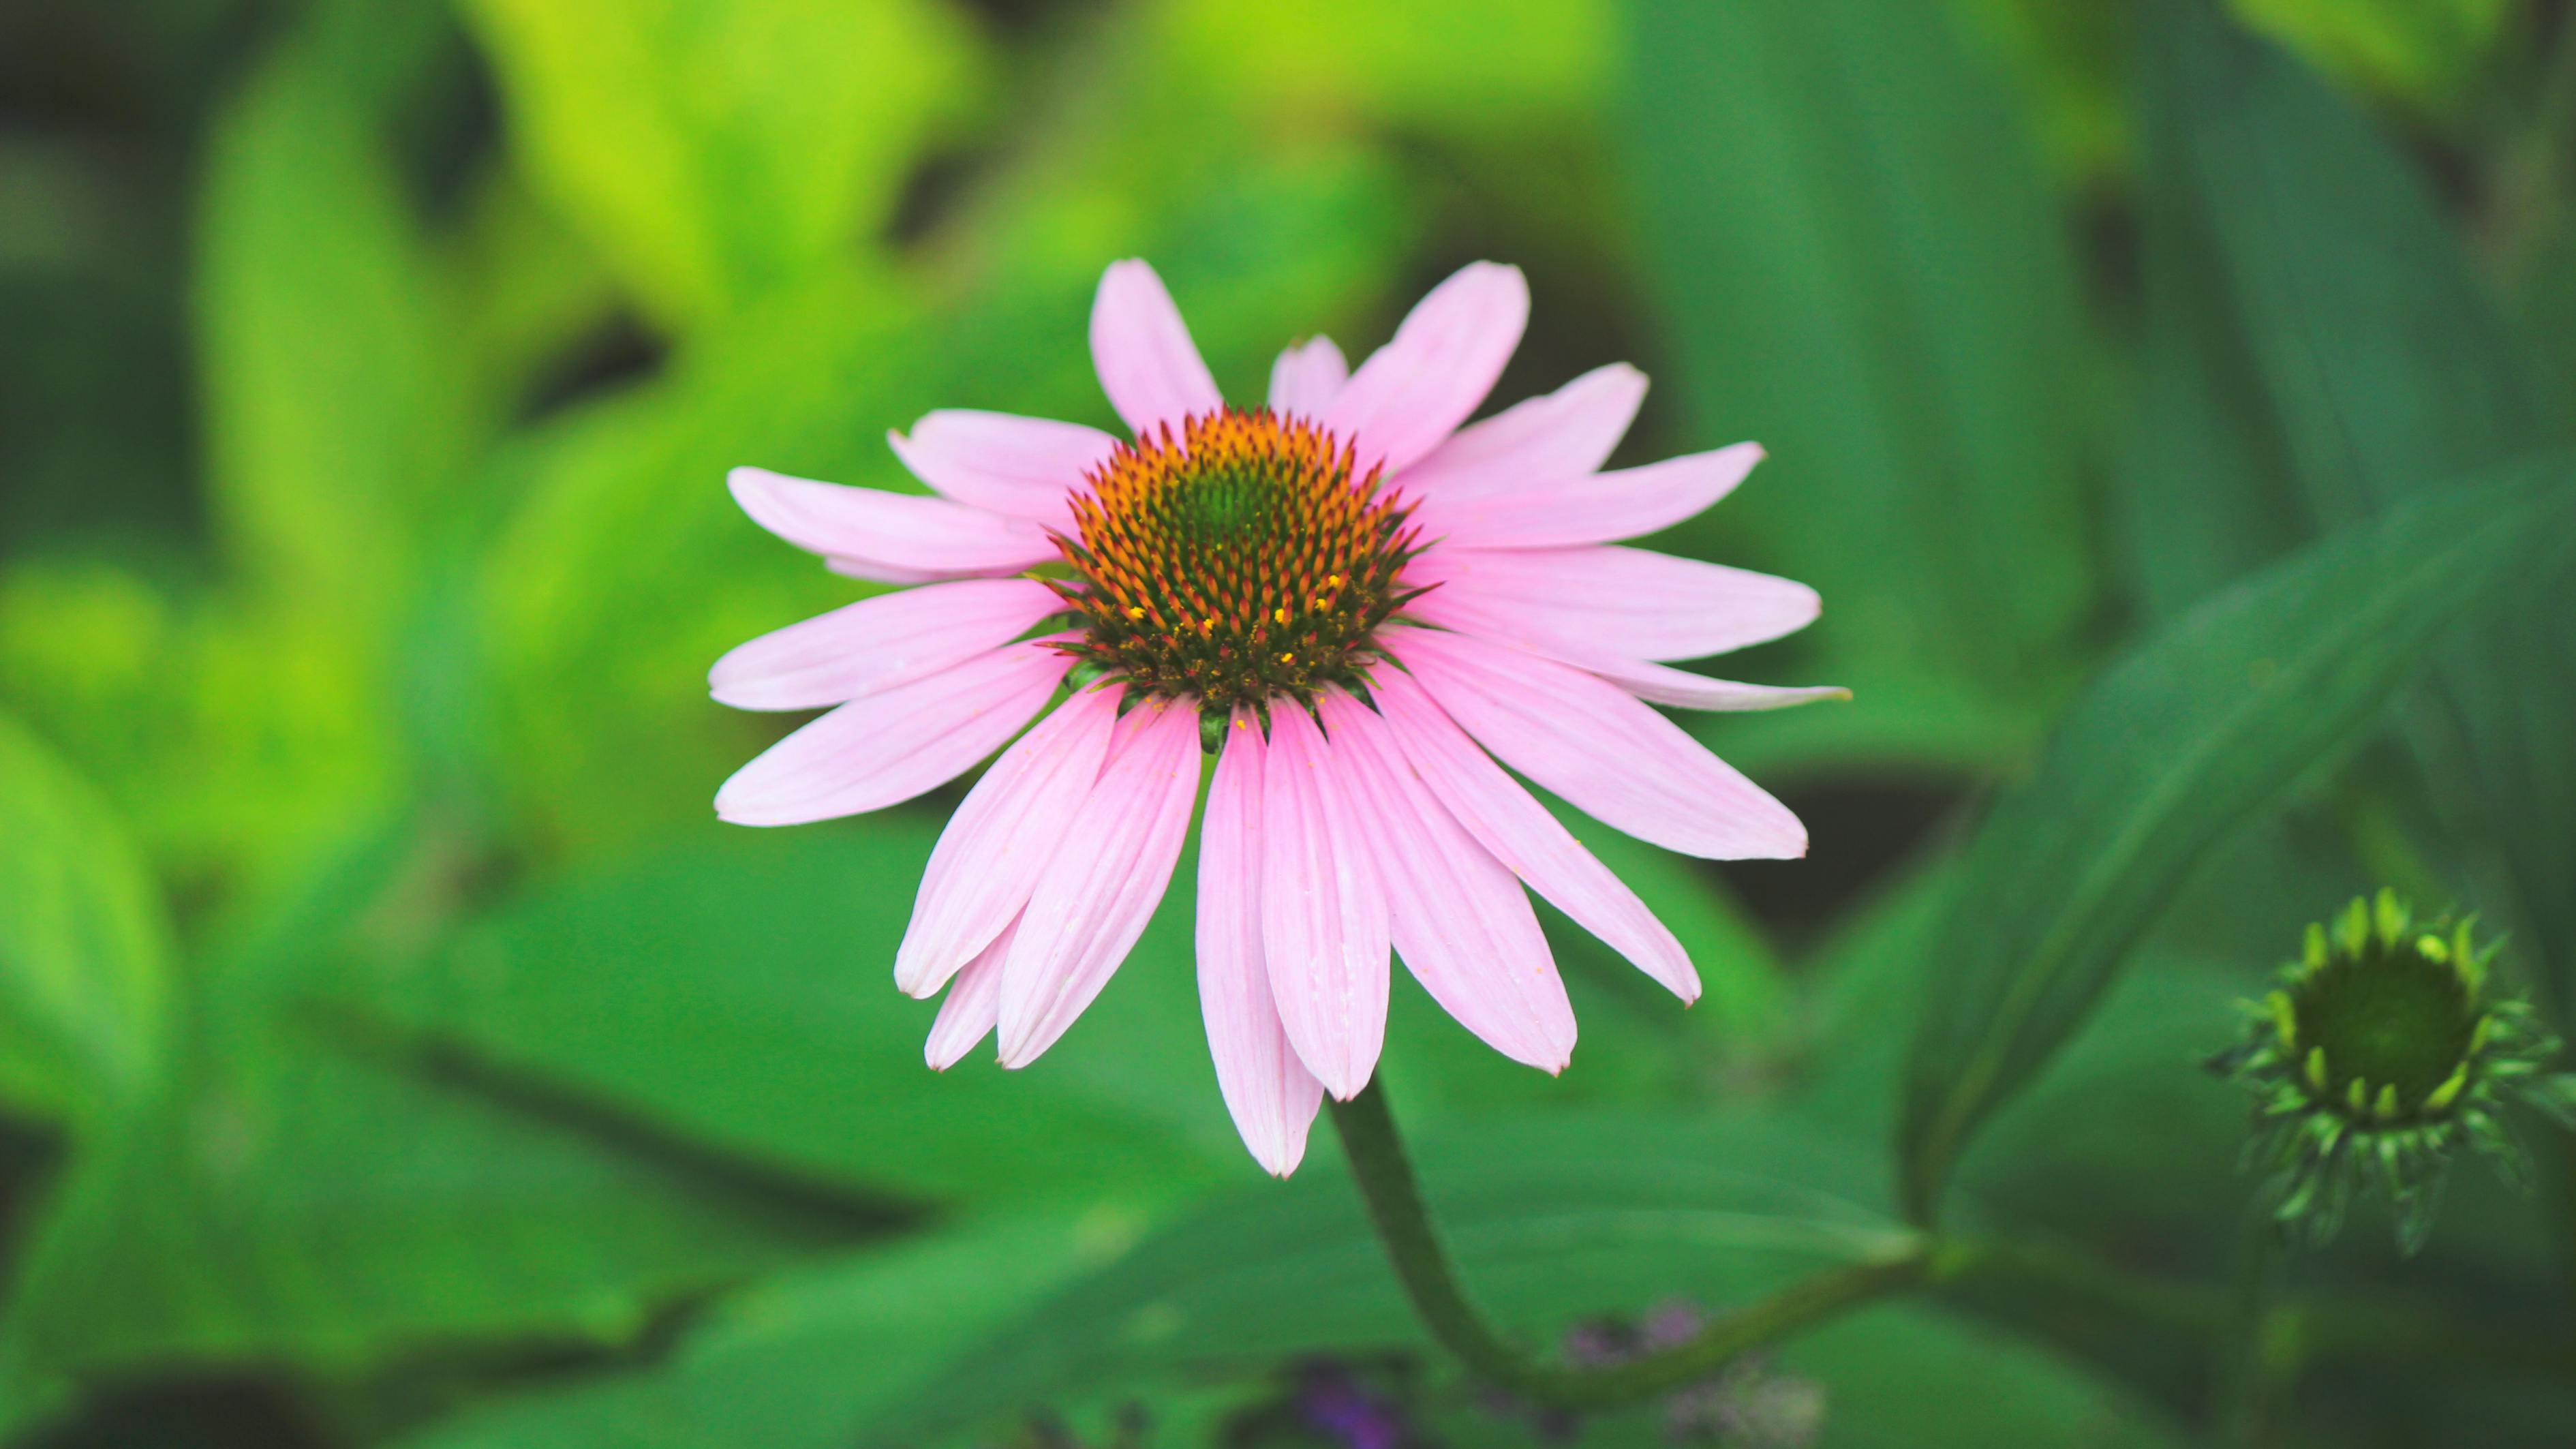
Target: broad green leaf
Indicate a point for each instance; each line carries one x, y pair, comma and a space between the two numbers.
340, 1214
2205, 492
738, 991
1860, 269
717, 150
307, 1188
795, 1362
228, 736
85, 971
1532, 59
735, 989
1553, 1222
2422, 50
336, 406
2390, 373
2182, 742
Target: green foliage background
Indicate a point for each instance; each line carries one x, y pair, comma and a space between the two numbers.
393, 1051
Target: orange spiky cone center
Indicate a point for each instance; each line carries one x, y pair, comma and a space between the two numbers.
1238, 562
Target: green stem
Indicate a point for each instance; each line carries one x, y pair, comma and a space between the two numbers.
1422, 1265
2245, 1371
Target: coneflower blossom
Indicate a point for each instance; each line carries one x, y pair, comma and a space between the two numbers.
1357, 606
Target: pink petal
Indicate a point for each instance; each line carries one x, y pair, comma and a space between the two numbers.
1594, 744
1306, 378
889, 747
875, 529
1267, 1089
1573, 602
1415, 391
1544, 442
1024, 467
990, 856
1663, 684
877, 573
1104, 880
1323, 914
1520, 833
1461, 921
973, 1004
1603, 508
1142, 350
878, 643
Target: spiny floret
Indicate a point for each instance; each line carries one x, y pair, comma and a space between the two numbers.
1238, 562
2381, 1053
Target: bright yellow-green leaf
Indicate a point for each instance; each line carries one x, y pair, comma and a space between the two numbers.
715, 150
85, 981
2421, 50
1476, 65
335, 404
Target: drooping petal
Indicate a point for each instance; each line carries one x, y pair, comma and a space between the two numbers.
1142, 350
1306, 378
1269, 1092
1460, 919
923, 537
1543, 443
1663, 684
1324, 930
990, 855
973, 1004
891, 746
1580, 602
876, 644
1603, 508
1023, 467
1520, 833
1414, 392
1104, 878
1596, 745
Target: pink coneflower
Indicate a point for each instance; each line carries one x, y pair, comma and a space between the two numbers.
1347, 599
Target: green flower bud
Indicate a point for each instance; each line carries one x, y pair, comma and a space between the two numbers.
2377, 1057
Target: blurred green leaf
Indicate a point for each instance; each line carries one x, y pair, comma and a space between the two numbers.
794, 1363
336, 405
230, 737
2422, 50
85, 971
1860, 268
328, 1212
529, 288
717, 150
2206, 493
2390, 373
738, 992
309, 1188
1532, 59
1553, 1222
2163, 758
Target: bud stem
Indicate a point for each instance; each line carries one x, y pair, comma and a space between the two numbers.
1413, 1249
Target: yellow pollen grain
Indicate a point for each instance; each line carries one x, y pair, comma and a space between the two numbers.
1332, 581
1287, 658
1133, 612
1280, 614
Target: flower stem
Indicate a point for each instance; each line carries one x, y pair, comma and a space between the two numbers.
2244, 1373
1412, 1242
